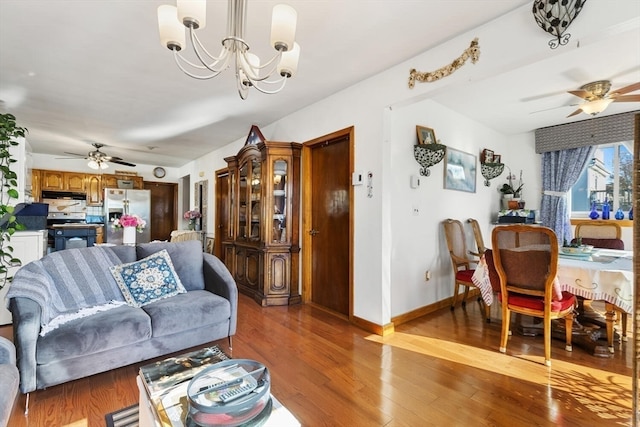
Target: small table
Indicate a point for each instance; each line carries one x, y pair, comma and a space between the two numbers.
606, 276
179, 370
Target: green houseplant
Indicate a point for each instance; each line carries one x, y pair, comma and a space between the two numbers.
9, 132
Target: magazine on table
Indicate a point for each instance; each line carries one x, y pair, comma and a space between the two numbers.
160, 376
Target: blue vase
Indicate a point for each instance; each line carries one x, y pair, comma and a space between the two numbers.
594, 213
619, 214
605, 209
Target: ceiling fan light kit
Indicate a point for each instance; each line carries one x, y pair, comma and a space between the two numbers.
190, 15
98, 160
598, 98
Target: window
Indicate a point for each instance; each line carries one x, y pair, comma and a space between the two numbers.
608, 177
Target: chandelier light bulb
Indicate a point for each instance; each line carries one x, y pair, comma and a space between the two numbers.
93, 164
268, 76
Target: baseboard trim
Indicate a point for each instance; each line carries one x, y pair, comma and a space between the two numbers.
382, 330
427, 309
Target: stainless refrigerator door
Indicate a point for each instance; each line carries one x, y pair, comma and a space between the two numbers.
118, 201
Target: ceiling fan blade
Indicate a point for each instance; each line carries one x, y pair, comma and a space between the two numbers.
627, 98
84, 156
626, 89
581, 93
120, 162
578, 111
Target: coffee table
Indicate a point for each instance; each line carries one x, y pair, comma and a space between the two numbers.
149, 417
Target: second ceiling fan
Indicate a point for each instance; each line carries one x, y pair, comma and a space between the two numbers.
597, 96
98, 159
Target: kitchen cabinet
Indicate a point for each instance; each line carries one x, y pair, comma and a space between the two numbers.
52, 180
74, 181
94, 190
261, 248
111, 181
27, 246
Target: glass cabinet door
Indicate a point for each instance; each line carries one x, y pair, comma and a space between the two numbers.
279, 230
256, 213
242, 202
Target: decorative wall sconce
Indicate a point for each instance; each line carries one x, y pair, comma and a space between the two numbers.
428, 155
491, 166
555, 16
428, 151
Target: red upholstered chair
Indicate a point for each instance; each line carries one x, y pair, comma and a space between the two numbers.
462, 271
526, 259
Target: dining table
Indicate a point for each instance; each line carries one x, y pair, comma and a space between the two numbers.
598, 275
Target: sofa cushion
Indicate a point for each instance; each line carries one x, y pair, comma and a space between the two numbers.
147, 280
182, 312
186, 257
119, 327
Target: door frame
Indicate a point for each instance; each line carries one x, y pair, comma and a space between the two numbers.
307, 211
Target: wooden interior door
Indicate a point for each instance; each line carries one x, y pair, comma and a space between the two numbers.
223, 218
164, 201
327, 222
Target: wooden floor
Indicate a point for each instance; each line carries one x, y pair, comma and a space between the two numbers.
443, 369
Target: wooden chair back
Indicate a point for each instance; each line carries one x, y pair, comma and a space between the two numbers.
477, 235
598, 230
456, 243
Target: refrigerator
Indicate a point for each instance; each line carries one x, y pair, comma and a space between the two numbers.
121, 201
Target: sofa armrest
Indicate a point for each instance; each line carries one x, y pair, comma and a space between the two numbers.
7, 352
26, 328
218, 280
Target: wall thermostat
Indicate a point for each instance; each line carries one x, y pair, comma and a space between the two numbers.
357, 178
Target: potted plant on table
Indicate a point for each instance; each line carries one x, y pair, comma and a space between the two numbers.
130, 223
511, 193
193, 217
9, 132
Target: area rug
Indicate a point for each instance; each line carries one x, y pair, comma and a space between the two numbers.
127, 417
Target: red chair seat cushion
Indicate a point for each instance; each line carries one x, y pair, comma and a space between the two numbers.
537, 303
602, 243
465, 275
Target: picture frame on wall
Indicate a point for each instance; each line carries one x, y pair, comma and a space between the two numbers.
425, 135
209, 247
460, 171
487, 156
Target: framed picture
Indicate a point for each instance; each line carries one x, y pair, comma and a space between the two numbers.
487, 156
209, 245
497, 158
255, 136
425, 135
460, 171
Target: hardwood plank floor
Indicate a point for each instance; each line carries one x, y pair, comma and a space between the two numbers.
443, 369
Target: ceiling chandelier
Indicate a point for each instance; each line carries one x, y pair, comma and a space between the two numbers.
249, 71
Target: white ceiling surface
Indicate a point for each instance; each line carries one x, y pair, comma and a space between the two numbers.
77, 72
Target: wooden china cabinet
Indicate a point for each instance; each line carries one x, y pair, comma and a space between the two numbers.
261, 248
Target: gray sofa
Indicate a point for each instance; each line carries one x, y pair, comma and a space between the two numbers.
116, 337
9, 379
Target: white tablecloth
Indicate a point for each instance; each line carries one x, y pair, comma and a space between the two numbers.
606, 276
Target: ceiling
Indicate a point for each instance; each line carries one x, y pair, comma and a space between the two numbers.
78, 72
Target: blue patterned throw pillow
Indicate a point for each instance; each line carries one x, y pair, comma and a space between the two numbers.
148, 279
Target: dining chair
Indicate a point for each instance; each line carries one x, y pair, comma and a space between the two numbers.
526, 259
462, 271
477, 235
600, 234
184, 235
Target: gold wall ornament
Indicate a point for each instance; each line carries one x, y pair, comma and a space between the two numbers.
473, 52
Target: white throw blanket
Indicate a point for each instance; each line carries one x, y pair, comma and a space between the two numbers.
69, 284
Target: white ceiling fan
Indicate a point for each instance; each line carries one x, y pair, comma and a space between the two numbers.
98, 159
597, 97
